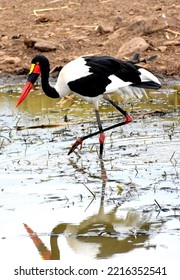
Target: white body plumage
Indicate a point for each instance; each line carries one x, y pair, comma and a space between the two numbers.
84, 67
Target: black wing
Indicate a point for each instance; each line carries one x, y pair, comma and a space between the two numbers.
100, 68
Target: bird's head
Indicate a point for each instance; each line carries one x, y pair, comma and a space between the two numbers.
37, 64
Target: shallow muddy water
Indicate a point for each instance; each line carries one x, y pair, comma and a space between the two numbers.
78, 206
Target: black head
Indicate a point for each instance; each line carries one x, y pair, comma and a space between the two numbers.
39, 65
42, 61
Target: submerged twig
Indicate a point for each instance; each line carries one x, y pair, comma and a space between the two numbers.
169, 128
172, 156
89, 204
172, 160
136, 170
158, 204
89, 190
39, 126
4, 137
160, 208
155, 113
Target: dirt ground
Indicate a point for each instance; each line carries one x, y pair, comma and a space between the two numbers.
65, 29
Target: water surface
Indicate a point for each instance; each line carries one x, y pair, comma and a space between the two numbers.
78, 206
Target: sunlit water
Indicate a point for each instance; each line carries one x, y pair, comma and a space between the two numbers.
126, 205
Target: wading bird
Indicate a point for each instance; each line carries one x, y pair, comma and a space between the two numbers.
93, 78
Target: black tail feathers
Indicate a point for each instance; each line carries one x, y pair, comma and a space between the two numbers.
149, 84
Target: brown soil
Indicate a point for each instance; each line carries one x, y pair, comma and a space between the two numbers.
82, 27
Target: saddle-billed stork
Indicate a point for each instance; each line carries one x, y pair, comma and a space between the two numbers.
93, 78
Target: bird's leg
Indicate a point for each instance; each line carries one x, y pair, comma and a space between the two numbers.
102, 135
124, 113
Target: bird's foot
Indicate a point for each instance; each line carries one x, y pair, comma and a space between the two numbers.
75, 145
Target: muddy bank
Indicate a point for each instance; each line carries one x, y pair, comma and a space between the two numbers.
65, 30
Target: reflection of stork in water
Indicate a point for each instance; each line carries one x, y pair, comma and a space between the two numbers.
101, 235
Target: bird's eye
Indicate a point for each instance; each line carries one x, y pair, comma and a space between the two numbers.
35, 68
